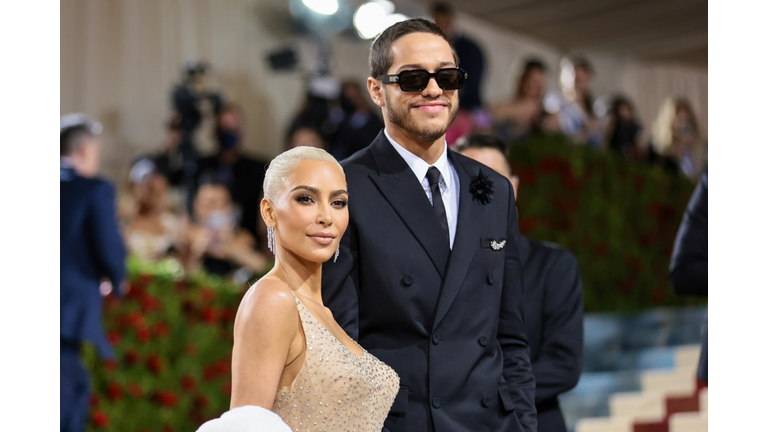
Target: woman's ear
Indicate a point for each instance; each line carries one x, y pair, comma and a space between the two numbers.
267, 211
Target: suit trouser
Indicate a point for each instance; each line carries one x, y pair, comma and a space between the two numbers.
73, 389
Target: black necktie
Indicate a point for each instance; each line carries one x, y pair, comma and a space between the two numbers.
433, 177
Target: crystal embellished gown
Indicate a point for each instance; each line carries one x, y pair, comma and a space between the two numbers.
335, 389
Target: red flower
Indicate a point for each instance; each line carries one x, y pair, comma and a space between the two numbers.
210, 372
207, 294
137, 319
132, 357
166, 398
226, 388
150, 303
209, 315
602, 250
110, 365
227, 315
100, 419
167, 428
222, 366
143, 335
94, 400
162, 329
115, 391
188, 382
114, 338
135, 390
154, 364
201, 401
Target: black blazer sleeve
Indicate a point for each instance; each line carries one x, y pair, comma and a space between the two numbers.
104, 235
518, 372
558, 367
341, 283
688, 270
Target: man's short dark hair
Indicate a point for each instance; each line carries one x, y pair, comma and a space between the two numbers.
480, 141
381, 56
72, 130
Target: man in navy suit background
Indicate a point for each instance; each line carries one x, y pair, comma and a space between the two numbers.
91, 249
554, 304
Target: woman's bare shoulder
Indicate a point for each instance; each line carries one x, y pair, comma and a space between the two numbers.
270, 300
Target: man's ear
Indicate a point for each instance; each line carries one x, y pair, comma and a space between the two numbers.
376, 90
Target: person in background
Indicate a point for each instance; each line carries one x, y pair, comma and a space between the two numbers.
360, 125
169, 161
241, 174
554, 304
688, 270
675, 140
152, 231
304, 136
576, 115
471, 57
623, 128
213, 240
523, 114
90, 249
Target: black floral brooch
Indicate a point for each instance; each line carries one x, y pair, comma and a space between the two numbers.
481, 188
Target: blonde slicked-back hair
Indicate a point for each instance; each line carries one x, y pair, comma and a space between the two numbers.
286, 161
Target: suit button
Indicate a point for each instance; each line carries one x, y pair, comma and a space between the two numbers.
407, 281
435, 338
482, 340
486, 401
491, 279
436, 402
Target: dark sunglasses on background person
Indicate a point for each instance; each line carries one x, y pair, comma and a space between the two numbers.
417, 79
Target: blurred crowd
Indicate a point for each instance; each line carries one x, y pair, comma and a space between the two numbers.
203, 209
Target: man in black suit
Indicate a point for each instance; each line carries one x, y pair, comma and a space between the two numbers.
554, 304
90, 249
429, 278
688, 270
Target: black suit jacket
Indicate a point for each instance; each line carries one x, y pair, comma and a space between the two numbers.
554, 319
449, 322
688, 270
90, 248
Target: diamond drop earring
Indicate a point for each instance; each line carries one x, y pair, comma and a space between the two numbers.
271, 238
335, 257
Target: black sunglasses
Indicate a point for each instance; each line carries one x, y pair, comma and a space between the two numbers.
417, 79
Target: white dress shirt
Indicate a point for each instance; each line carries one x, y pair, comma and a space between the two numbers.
449, 180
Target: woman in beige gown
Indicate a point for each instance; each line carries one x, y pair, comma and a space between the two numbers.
290, 355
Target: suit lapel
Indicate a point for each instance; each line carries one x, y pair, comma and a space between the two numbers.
466, 242
405, 194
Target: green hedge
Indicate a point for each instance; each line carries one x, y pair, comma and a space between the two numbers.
173, 342
618, 217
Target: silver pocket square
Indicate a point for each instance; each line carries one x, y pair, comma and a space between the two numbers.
498, 245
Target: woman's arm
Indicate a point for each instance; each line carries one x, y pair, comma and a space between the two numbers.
266, 324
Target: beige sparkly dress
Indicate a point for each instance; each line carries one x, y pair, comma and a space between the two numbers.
335, 389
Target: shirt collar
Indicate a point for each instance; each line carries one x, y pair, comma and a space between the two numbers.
419, 166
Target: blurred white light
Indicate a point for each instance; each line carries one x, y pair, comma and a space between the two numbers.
323, 7
369, 20
394, 19
388, 6
552, 103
